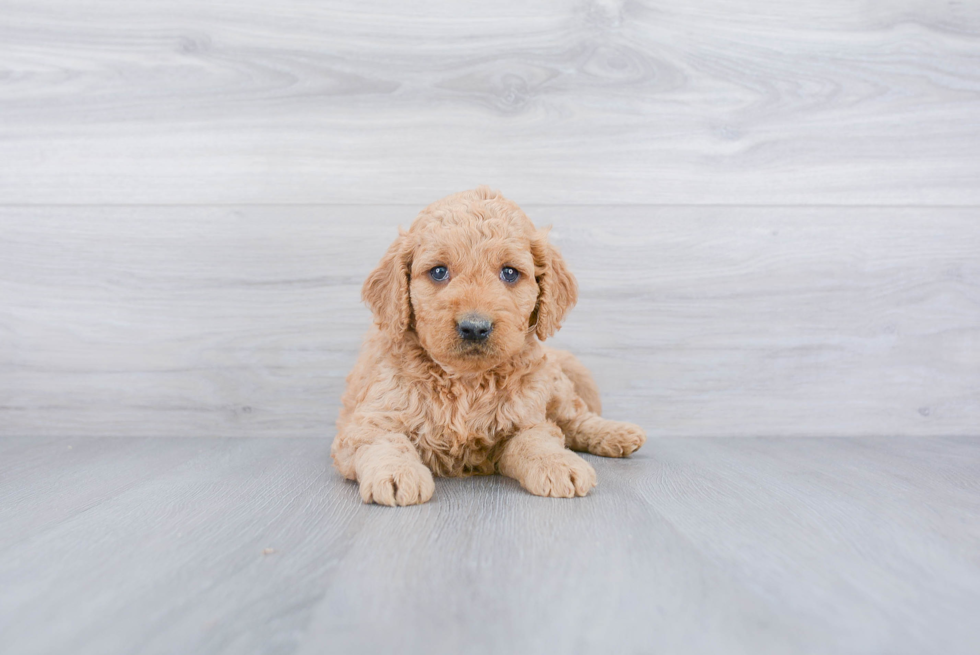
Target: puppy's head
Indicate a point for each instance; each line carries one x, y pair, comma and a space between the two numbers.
474, 279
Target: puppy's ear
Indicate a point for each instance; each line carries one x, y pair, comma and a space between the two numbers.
386, 289
557, 289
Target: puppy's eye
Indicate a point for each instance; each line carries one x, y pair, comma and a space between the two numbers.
509, 275
439, 273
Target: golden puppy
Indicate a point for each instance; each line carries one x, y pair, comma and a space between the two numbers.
454, 380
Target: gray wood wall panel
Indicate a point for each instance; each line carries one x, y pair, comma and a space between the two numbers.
749, 102
191, 194
698, 321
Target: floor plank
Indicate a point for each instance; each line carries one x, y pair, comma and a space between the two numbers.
701, 546
810, 102
244, 321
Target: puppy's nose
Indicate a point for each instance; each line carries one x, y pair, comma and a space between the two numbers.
474, 327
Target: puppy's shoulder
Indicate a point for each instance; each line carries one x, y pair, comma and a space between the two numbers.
552, 363
376, 371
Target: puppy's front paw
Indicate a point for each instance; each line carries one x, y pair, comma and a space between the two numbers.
560, 474
397, 482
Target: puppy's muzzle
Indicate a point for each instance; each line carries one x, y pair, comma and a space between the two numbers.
474, 327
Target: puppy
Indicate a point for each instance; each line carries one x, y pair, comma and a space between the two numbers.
453, 380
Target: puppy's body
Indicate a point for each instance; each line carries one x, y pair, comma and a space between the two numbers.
457, 424
429, 395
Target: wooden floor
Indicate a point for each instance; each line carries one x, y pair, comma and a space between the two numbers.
772, 209
692, 546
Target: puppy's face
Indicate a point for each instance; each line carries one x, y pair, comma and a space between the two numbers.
473, 293
474, 280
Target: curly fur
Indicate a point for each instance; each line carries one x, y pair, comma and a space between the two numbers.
421, 400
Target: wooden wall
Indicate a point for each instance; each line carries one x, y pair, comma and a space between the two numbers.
771, 207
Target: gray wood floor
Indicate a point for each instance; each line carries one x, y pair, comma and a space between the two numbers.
692, 546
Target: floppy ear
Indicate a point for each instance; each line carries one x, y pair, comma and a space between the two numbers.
386, 289
557, 289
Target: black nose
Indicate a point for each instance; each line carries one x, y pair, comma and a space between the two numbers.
474, 328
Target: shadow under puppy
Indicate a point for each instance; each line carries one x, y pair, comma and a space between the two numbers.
454, 380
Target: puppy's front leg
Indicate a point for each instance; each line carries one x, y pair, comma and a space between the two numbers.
386, 465
537, 458
585, 430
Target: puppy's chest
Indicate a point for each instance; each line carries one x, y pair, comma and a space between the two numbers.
469, 415
459, 431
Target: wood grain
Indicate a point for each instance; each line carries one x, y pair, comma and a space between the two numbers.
696, 546
606, 102
203, 321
